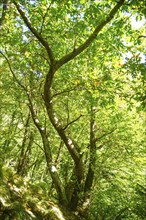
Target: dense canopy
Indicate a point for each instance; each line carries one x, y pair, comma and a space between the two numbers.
72, 99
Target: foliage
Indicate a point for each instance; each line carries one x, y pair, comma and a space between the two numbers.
72, 110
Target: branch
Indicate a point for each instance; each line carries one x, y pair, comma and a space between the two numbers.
120, 213
142, 36
65, 91
13, 74
34, 116
35, 32
39, 147
72, 121
105, 134
102, 145
91, 38
59, 152
44, 17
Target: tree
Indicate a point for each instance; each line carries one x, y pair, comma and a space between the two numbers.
65, 64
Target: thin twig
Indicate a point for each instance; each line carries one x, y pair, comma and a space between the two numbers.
44, 17
105, 134
13, 74
72, 121
65, 91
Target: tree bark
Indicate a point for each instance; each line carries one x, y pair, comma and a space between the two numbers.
92, 147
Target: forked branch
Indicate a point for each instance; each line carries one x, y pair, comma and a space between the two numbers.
92, 37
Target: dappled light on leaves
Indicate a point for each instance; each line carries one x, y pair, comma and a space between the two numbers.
73, 100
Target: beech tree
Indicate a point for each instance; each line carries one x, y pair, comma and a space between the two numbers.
72, 99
